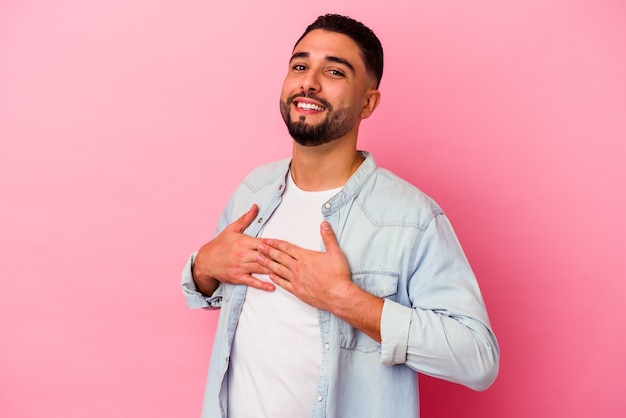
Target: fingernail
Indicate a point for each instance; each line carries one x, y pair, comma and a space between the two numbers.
325, 225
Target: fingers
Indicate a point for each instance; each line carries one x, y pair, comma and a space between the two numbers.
252, 281
246, 219
273, 265
289, 250
285, 284
278, 273
280, 251
255, 268
328, 236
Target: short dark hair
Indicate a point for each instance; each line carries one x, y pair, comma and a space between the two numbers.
369, 44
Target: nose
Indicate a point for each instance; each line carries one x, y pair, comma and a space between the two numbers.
310, 83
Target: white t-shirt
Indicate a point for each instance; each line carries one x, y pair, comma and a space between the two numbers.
276, 354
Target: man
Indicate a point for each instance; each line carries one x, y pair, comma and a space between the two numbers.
336, 279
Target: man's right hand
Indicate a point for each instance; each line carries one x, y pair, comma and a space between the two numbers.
230, 257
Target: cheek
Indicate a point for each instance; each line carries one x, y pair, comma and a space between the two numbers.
290, 86
351, 103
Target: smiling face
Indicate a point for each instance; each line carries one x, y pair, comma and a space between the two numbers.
327, 90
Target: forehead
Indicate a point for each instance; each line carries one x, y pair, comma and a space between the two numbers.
320, 43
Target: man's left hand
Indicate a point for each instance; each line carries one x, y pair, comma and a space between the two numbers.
320, 279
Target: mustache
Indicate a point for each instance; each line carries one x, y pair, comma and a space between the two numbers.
311, 96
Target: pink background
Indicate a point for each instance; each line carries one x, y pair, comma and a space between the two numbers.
125, 126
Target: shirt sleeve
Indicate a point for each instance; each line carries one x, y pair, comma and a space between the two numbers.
446, 332
193, 297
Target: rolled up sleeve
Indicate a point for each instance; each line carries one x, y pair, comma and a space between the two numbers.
395, 324
193, 297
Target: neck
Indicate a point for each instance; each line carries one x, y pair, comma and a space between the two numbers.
324, 167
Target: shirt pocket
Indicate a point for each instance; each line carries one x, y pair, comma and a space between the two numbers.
381, 284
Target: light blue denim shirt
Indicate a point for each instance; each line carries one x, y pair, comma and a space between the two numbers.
400, 247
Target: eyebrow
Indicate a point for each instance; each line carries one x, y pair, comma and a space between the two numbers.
328, 58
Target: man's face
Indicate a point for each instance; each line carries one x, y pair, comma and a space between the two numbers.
325, 90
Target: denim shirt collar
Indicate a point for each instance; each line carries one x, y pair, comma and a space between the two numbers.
349, 190
353, 185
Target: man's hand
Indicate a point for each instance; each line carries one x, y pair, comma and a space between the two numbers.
314, 277
322, 280
231, 257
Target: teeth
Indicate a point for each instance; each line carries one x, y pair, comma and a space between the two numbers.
309, 106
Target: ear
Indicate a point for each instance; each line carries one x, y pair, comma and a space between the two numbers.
370, 103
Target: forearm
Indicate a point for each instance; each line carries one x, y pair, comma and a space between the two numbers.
205, 285
360, 309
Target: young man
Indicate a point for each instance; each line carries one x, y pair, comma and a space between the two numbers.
336, 279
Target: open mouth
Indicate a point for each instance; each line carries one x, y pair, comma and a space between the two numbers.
309, 106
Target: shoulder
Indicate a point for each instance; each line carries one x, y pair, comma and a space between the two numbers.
266, 174
258, 187
388, 198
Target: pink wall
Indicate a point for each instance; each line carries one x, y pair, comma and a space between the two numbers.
125, 125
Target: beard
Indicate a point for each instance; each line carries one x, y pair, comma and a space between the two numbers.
334, 126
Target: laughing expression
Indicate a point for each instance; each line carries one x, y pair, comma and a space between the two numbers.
323, 94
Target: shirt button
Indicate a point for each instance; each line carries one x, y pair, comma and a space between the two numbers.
327, 205
320, 398
327, 346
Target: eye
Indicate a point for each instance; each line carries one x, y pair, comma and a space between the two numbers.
336, 73
298, 67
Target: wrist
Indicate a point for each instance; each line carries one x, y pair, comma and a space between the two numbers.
204, 283
360, 309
